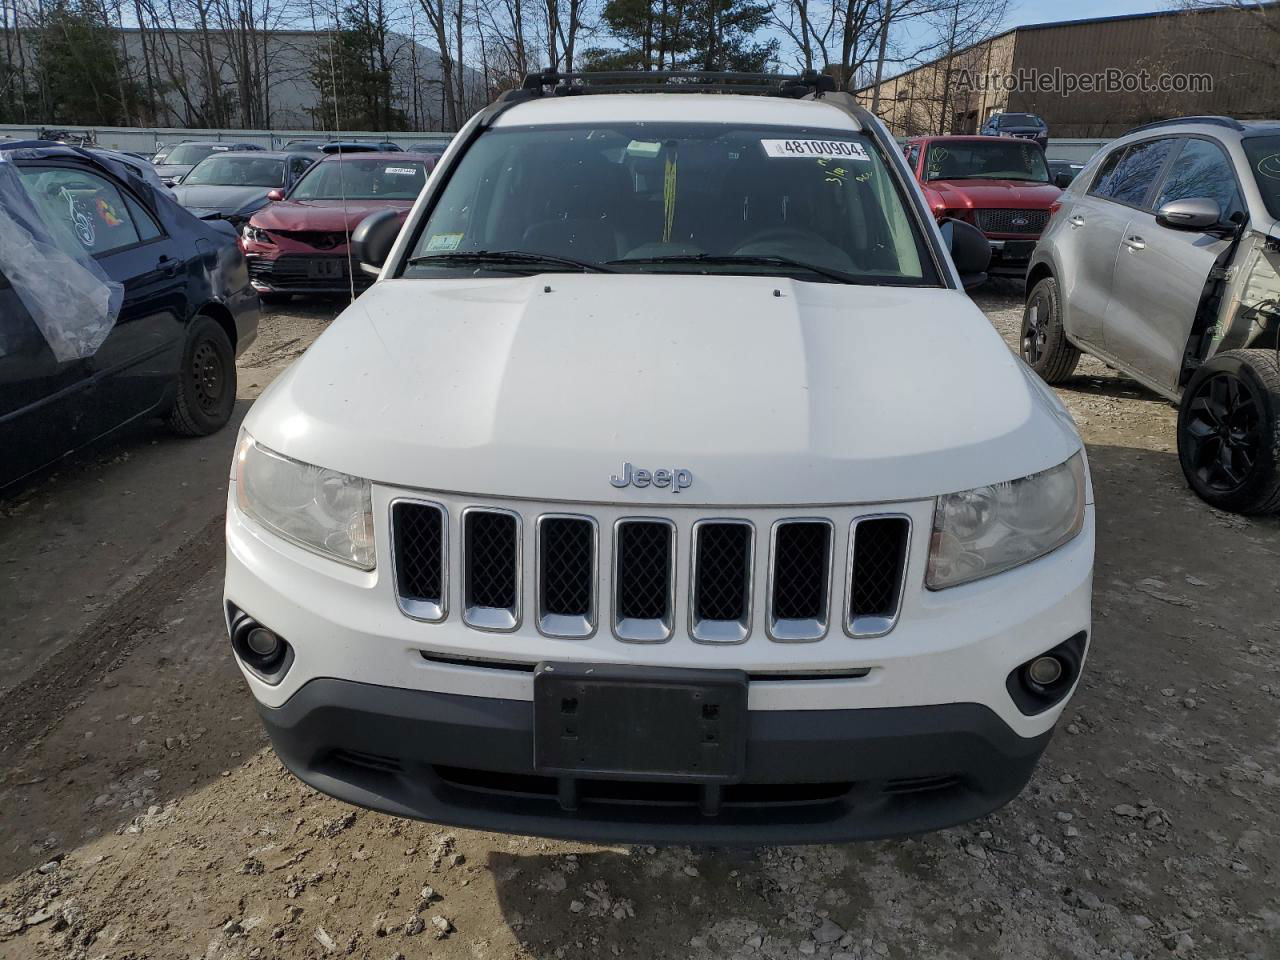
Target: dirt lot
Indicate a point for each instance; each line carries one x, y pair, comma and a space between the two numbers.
142, 816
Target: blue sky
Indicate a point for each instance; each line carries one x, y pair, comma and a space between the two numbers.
1046, 11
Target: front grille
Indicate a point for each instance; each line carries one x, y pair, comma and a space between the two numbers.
316, 239
491, 569
1030, 222
630, 579
721, 579
800, 580
566, 576
643, 579
420, 548
877, 561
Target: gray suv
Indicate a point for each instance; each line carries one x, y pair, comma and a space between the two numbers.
1162, 259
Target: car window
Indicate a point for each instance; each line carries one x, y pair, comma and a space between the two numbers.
84, 211
1264, 161
360, 178
1128, 174
639, 191
1201, 169
146, 226
913, 157
299, 165
230, 170
1019, 120
986, 159
192, 153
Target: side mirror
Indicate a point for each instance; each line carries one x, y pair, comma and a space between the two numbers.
1193, 213
373, 238
970, 251
1062, 180
276, 194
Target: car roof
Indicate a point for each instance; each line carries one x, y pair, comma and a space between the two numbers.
256, 154
374, 155
717, 108
953, 137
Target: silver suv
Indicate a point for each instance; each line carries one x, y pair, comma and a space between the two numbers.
1162, 259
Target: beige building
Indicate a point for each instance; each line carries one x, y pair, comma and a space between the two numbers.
1097, 78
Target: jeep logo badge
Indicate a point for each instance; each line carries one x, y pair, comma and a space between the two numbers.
676, 479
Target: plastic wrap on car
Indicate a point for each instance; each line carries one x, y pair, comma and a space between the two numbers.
71, 300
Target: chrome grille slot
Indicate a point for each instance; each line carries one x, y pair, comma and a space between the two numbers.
720, 606
420, 549
1012, 221
643, 580
491, 568
800, 579
566, 576
877, 568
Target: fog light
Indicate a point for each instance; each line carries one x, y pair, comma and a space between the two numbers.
1043, 671
266, 644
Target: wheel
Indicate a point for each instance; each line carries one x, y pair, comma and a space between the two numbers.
1045, 346
1229, 431
206, 382
274, 299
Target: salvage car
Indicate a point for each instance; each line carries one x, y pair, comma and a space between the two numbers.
1163, 261
1000, 186
299, 242
234, 186
624, 509
115, 305
1026, 126
174, 162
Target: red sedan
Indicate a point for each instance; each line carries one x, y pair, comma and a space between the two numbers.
299, 243
999, 184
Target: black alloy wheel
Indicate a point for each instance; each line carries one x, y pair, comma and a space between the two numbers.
1224, 432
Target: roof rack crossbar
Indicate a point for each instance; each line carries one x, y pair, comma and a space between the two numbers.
676, 81
1213, 121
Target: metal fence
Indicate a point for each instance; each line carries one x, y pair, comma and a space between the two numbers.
150, 139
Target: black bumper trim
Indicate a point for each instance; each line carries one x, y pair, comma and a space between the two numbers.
468, 762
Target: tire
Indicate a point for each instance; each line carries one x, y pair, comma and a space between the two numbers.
1229, 431
274, 299
206, 390
1043, 343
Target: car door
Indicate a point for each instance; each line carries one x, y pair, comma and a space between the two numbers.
1095, 223
136, 364
1161, 271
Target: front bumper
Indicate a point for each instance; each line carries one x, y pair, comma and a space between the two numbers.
297, 273
812, 776
1011, 257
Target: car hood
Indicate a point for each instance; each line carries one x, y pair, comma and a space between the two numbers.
219, 199
997, 194
323, 215
542, 387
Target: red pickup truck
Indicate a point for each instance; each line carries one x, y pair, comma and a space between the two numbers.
1001, 185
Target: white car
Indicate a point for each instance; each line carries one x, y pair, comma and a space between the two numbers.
666, 487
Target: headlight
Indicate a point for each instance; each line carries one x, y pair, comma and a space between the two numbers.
987, 530
325, 511
255, 235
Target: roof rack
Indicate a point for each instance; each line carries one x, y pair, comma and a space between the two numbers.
1212, 121
575, 83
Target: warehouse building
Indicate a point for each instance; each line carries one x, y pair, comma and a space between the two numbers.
1097, 77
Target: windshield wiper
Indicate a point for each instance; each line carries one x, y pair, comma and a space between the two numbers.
508, 257
747, 259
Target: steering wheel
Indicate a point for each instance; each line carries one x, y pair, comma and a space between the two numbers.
781, 236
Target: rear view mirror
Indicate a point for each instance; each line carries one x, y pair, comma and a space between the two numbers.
276, 194
372, 240
970, 251
1192, 213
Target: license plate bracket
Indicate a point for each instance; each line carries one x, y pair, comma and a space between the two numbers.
640, 723
326, 269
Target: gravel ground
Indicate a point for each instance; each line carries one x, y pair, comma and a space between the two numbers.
142, 816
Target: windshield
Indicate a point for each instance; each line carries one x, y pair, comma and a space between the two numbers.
1264, 161
691, 198
190, 153
994, 159
230, 171
1019, 120
361, 178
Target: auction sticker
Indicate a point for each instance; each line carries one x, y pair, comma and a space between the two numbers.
401, 171
818, 149
443, 241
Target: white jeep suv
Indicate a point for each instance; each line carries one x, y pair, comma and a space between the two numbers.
666, 487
